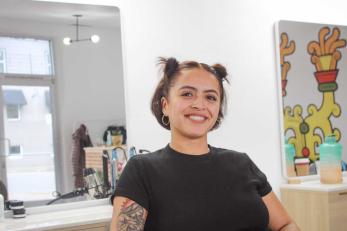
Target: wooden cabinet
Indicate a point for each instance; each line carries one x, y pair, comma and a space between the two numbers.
317, 208
90, 227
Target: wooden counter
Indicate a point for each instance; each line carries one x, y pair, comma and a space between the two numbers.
317, 207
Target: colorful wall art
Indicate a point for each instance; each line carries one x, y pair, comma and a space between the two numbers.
313, 76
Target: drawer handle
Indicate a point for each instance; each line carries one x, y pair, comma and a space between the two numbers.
342, 193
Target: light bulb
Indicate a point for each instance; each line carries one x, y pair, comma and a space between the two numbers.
67, 41
95, 38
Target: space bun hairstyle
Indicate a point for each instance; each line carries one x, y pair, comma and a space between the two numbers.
171, 68
171, 65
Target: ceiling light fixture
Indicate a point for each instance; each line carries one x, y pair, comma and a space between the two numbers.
67, 41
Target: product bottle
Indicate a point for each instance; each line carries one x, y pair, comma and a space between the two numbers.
330, 153
109, 139
290, 153
2, 208
114, 172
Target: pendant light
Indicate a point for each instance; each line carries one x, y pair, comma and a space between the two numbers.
67, 41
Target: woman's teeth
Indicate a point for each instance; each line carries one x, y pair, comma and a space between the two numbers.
197, 118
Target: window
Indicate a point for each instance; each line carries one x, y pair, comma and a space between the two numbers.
25, 56
2, 60
26, 89
15, 150
13, 112
34, 131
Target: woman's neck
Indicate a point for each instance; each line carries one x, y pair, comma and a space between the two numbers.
197, 146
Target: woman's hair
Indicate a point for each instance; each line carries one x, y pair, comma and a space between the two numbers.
171, 69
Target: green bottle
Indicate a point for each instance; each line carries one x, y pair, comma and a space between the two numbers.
330, 153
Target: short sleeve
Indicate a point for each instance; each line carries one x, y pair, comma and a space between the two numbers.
259, 178
131, 183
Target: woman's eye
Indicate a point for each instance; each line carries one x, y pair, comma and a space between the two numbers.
187, 94
211, 98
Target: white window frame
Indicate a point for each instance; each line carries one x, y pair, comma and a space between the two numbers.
49, 61
3, 61
19, 113
36, 81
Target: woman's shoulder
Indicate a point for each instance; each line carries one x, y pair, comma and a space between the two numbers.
229, 153
224, 151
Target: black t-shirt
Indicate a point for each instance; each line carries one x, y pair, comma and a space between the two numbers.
220, 190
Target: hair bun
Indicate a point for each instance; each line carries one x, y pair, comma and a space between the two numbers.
171, 66
220, 70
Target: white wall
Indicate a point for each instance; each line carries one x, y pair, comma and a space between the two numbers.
239, 34
89, 80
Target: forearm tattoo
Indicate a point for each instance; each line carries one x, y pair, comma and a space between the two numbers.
131, 217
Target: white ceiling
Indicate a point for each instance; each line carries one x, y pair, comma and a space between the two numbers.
60, 13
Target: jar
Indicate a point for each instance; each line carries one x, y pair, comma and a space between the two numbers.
17, 208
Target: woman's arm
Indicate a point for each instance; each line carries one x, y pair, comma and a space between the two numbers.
127, 215
279, 218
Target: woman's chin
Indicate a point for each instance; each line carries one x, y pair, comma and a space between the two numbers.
196, 134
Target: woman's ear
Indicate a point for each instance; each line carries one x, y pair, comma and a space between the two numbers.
164, 105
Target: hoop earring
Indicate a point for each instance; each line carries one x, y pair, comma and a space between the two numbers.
163, 120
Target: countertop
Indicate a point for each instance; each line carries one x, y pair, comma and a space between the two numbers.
315, 185
60, 216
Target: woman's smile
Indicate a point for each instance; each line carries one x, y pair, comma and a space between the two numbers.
197, 118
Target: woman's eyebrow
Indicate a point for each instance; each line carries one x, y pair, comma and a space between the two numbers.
195, 89
188, 87
211, 91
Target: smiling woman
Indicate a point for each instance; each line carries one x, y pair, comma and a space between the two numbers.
47, 89
189, 184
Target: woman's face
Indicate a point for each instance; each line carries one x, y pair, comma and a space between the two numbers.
193, 103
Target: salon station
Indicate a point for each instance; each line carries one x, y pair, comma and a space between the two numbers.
77, 77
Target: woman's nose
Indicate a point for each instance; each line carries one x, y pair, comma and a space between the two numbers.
198, 103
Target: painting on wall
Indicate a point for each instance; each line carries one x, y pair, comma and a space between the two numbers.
312, 60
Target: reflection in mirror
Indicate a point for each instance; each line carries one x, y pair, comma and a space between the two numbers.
313, 67
49, 87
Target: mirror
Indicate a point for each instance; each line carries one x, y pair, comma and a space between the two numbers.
312, 60
48, 89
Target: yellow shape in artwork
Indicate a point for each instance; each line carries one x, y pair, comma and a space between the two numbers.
325, 62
